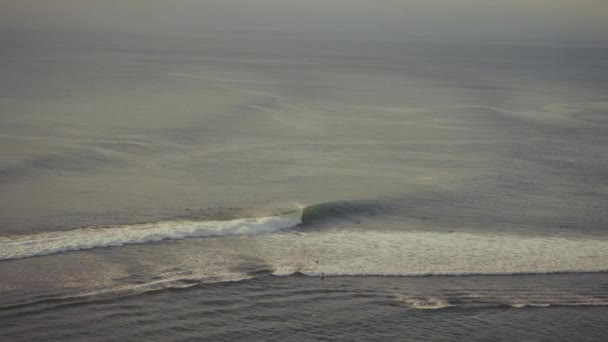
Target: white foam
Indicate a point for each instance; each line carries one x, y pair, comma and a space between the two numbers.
530, 305
391, 253
23, 246
424, 303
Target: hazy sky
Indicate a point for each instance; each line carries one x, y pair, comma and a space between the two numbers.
581, 19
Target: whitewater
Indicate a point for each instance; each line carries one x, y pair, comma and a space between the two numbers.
283, 247
23, 246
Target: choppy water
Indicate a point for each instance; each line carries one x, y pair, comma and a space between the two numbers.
173, 189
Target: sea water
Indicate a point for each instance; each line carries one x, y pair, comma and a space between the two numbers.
274, 187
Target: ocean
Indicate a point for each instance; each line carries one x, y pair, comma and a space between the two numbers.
280, 187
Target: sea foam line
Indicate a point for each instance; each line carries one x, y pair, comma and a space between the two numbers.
23, 246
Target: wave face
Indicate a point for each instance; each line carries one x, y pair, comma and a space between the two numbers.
342, 210
23, 246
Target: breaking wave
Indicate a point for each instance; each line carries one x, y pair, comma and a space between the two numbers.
23, 246
331, 251
47, 243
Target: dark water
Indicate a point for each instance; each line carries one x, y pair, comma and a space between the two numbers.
198, 189
299, 308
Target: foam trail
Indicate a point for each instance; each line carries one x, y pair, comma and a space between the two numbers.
23, 246
417, 253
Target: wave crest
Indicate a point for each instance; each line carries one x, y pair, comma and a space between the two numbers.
23, 246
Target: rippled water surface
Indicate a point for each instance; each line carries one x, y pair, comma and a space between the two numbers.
297, 308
